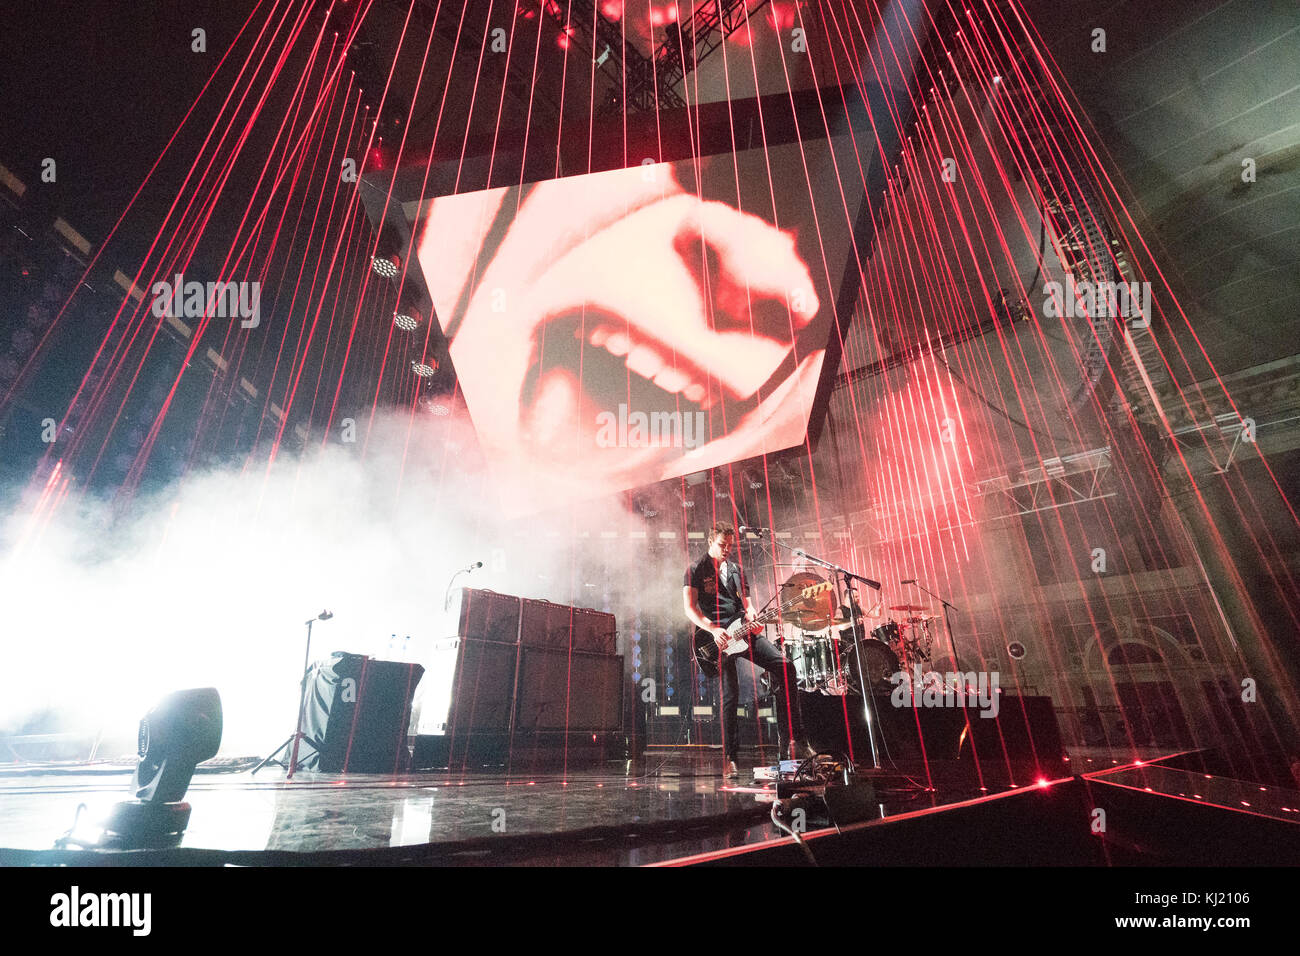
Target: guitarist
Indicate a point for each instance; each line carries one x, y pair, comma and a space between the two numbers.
715, 594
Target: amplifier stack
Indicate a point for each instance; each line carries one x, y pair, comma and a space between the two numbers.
520, 679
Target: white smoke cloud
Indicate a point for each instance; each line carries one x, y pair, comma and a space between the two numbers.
209, 583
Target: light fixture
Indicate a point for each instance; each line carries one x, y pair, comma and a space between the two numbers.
407, 318
176, 735
424, 370
386, 266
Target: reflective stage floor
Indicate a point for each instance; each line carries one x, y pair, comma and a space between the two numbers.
620, 813
670, 807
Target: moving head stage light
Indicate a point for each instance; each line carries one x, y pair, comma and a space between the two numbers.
180, 732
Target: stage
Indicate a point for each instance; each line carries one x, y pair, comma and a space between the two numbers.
674, 807
616, 814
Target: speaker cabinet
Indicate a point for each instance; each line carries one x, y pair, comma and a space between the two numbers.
482, 688
573, 692
488, 616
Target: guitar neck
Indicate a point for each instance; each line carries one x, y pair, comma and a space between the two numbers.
767, 617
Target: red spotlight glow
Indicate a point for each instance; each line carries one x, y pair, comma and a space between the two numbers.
781, 15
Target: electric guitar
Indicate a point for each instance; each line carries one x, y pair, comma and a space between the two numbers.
708, 654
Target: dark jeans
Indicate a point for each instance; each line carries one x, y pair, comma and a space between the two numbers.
762, 653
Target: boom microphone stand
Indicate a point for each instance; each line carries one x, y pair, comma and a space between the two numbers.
947, 625
297, 734
838, 573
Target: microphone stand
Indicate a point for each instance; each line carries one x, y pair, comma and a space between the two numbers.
947, 625
780, 644
837, 573
446, 598
297, 734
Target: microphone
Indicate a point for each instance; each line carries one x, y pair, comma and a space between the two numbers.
475, 565
745, 529
908, 581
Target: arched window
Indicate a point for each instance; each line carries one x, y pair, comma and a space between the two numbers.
1133, 653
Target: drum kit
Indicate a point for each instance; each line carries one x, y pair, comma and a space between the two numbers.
819, 639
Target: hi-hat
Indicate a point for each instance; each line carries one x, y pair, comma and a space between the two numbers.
909, 607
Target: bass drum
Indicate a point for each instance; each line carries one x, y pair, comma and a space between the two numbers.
879, 664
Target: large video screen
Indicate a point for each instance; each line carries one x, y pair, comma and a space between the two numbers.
615, 329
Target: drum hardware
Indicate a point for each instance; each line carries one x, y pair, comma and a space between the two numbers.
810, 614
820, 665
823, 616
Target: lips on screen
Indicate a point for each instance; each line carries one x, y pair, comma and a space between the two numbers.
619, 328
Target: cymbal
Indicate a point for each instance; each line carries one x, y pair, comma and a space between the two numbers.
908, 607
800, 580
812, 613
841, 621
807, 620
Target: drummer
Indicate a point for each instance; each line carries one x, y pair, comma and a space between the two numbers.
852, 613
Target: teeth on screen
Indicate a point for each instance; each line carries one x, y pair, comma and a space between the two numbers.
646, 362
671, 380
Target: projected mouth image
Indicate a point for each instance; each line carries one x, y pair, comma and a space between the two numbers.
616, 329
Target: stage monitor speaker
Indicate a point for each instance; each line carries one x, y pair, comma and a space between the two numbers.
358, 715
851, 803
574, 692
